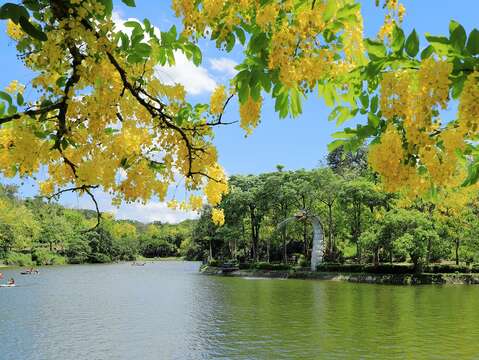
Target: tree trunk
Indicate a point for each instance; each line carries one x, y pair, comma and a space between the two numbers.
428, 257
330, 235
210, 256
285, 249
457, 251
267, 249
305, 239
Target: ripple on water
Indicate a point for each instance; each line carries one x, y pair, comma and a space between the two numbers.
167, 311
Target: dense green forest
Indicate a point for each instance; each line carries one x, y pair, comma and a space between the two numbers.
361, 222
33, 231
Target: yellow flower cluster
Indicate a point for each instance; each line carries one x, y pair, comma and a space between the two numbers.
420, 155
196, 202
217, 102
388, 158
15, 87
110, 137
218, 216
296, 49
14, 31
250, 113
267, 15
216, 186
396, 12
468, 112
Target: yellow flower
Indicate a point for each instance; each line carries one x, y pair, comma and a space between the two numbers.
217, 102
14, 87
14, 31
250, 112
218, 216
196, 202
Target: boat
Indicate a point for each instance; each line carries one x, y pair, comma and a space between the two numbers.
138, 264
28, 272
7, 285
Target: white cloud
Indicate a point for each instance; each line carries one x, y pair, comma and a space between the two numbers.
224, 65
119, 25
152, 211
195, 79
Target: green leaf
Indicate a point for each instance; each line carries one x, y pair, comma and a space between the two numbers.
342, 135
457, 86
243, 92
344, 115
13, 12
457, 35
12, 109
32, 30
373, 120
20, 100
412, 44
2, 108
330, 10
296, 108
240, 34
32, 5
335, 144
473, 42
398, 39
375, 48
5, 96
427, 52
364, 98
258, 42
130, 3
374, 104
197, 56
108, 4
143, 50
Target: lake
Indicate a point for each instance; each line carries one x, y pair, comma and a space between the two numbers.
166, 310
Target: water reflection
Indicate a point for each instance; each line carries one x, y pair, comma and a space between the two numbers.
168, 311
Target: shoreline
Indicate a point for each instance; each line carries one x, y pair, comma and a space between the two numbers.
366, 278
145, 260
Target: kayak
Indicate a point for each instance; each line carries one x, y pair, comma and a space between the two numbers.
30, 273
7, 285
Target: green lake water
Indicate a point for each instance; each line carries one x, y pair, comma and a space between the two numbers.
166, 310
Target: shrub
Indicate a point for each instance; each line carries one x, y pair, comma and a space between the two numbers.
302, 262
447, 268
214, 263
77, 251
99, 258
45, 257
19, 259
270, 266
372, 269
245, 266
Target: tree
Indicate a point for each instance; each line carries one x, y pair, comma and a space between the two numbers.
106, 110
328, 186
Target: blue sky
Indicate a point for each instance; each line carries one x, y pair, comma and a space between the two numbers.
294, 143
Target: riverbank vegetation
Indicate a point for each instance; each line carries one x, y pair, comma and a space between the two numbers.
362, 223
35, 232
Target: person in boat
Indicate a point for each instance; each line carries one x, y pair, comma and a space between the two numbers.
1, 276
11, 281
